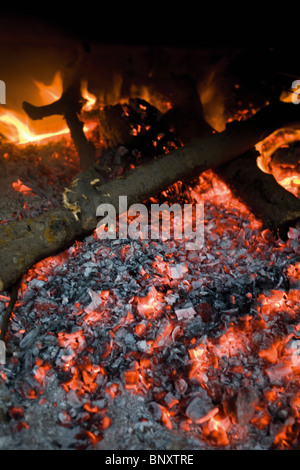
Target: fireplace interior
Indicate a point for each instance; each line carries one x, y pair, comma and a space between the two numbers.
142, 344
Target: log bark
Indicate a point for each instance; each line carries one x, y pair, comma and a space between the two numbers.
25, 242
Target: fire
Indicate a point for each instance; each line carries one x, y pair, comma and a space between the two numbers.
288, 436
214, 109
291, 96
157, 100
151, 304
213, 102
90, 99
51, 92
279, 139
16, 127
161, 348
215, 430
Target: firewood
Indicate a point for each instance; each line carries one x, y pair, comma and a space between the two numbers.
27, 241
277, 208
136, 125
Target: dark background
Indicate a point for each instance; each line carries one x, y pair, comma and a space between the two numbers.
187, 23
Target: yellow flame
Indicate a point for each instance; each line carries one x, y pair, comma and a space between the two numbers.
15, 128
87, 96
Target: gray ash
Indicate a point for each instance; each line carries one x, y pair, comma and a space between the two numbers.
140, 344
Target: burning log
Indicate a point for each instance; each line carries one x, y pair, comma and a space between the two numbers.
276, 207
25, 242
269, 201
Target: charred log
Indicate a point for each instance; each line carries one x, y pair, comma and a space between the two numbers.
136, 125
25, 242
287, 157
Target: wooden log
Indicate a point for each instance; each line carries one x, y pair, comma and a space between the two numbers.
277, 208
27, 241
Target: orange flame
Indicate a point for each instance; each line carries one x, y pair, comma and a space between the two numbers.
16, 127
215, 430
22, 188
52, 92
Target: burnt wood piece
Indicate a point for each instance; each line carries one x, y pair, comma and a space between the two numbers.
285, 160
136, 125
114, 128
69, 105
27, 241
9, 310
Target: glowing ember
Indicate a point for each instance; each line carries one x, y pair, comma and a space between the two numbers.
285, 174
206, 342
22, 188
